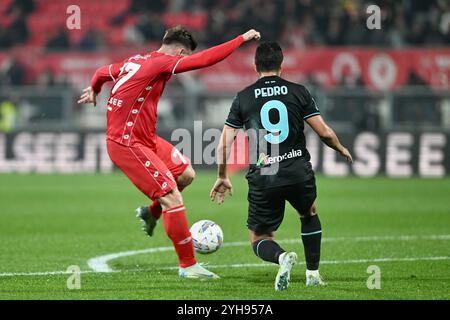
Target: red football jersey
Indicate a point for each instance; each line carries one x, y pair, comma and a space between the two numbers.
139, 83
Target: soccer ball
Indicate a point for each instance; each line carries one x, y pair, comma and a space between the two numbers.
207, 236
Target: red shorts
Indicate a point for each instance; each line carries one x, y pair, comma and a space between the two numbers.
154, 172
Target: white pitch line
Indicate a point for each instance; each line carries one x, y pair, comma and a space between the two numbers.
237, 265
355, 261
100, 263
43, 273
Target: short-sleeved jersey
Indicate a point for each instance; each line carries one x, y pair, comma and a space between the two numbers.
272, 111
132, 105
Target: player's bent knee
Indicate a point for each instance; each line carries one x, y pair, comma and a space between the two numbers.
254, 237
172, 199
311, 212
186, 177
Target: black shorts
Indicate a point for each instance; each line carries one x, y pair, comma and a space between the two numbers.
266, 206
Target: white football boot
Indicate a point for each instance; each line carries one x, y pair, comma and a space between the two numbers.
286, 261
196, 271
313, 279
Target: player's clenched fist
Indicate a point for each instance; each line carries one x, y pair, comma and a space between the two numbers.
88, 96
251, 34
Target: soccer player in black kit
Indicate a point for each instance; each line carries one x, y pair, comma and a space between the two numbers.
273, 112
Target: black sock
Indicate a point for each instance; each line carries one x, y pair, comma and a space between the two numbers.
311, 237
268, 250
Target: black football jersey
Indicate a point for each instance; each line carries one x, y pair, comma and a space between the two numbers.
272, 112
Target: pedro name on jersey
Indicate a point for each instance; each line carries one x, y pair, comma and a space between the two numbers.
272, 111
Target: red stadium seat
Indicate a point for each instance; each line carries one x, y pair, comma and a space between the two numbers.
196, 21
115, 36
4, 4
50, 16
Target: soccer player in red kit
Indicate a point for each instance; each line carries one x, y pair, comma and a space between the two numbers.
155, 167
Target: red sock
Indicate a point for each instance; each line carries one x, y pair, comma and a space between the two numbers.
177, 229
155, 209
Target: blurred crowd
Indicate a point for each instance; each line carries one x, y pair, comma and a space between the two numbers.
300, 23
15, 30
295, 23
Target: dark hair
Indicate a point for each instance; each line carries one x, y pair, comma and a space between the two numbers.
180, 35
268, 57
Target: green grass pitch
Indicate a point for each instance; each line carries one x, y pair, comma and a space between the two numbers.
49, 222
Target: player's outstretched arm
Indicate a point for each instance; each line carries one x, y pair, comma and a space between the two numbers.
328, 136
223, 183
215, 54
101, 76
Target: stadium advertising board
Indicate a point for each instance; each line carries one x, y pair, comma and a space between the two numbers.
394, 154
377, 69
